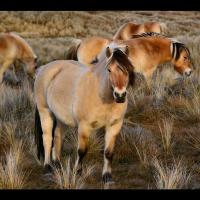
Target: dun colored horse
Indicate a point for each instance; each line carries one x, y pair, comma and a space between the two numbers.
147, 51
126, 31
88, 50
63, 91
12, 48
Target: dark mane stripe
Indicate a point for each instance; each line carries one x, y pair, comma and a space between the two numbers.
173, 50
179, 47
149, 34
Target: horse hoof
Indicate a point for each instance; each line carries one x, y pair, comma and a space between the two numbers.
79, 172
107, 178
48, 168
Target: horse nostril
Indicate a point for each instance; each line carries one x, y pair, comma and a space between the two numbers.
123, 95
188, 73
116, 94
120, 95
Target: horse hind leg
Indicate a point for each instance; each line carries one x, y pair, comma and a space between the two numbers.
57, 143
83, 136
47, 127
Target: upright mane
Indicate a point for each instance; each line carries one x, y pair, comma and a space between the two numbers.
149, 34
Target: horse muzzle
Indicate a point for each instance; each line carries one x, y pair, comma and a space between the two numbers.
188, 72
120, 97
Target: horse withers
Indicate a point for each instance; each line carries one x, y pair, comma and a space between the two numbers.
63, 91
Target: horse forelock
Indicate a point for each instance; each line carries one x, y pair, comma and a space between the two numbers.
177, 47
124, 64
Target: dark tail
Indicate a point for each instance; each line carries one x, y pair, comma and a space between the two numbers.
71, 54
38, 135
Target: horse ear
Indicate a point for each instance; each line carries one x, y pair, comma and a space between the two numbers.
124, 49
108, 52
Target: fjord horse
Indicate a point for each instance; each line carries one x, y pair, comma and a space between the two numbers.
12, 48
87, 51
126, 31
149, 50
63, 91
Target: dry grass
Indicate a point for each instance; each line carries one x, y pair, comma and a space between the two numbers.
66, 178
166, 130
164, 121
11, 175
141, 143
175, 176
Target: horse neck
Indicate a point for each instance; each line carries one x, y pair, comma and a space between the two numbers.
104, 85
161, 49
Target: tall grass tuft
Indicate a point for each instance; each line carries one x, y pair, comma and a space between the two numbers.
174, 176
67, 178
166, 130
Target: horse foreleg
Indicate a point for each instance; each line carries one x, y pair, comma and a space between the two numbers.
56, 151
110, 138
83, 135
4, 67
47, 126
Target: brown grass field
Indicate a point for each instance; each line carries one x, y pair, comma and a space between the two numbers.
159, 144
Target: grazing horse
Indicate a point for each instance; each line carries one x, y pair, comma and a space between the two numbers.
63, 91
149, 50
87, 51
12, 48
126, 31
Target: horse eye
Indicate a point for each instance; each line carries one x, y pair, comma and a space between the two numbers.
185, 57
109, 70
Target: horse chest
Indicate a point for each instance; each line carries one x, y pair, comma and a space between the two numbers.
105, 117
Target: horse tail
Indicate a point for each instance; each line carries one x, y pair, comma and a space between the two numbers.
163, 27
38, 135
71, 54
